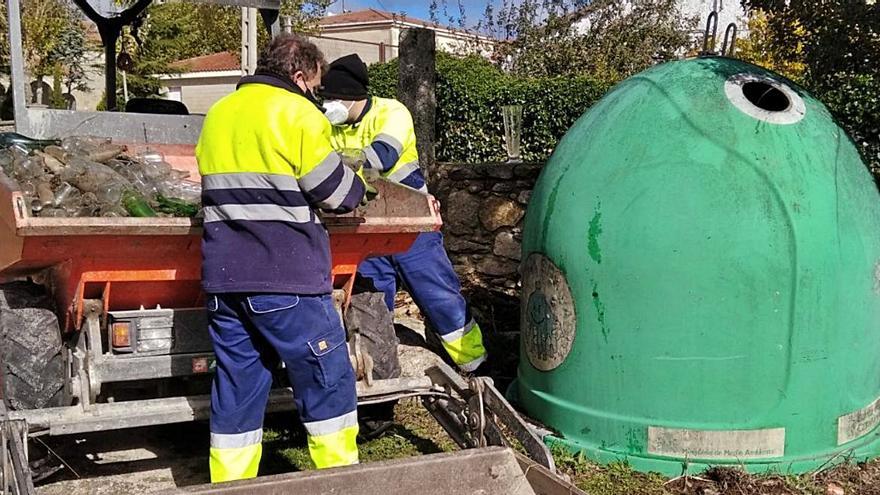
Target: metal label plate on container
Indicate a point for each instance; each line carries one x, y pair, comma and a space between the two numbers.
547, 317
716, 444
858, 423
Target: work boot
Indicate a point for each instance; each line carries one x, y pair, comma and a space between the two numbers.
484, 369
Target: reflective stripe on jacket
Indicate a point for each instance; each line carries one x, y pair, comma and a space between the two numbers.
387, 136
267, 164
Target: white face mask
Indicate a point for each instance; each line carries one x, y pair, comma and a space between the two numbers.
336, 111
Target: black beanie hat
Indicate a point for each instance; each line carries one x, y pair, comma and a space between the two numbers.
346, 79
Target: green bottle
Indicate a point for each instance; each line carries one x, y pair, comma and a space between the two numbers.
136, 205
8, 139
176, 206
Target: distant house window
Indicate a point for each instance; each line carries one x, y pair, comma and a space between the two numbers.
173, 93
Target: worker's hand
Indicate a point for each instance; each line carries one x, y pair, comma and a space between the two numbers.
371, 192
370, 195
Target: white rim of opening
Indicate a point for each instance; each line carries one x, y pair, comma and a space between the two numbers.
733, 89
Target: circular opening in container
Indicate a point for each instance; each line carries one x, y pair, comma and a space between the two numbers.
765, 96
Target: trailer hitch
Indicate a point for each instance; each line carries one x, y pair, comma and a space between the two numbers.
475, 414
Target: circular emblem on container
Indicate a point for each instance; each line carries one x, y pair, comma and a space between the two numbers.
547, 315
765, 98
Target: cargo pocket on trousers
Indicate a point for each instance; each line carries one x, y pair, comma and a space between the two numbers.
270, 303
332, 356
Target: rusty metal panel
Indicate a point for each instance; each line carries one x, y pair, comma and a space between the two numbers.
487, 471
543, 481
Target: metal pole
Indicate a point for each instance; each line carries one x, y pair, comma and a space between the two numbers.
248, 40
124, 87
4, 449
109, 35
272, 21
16, 54
244, 40
252, 40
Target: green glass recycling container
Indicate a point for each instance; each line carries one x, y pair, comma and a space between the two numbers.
701, 278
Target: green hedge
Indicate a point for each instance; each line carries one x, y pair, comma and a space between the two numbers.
854, 99
470, 94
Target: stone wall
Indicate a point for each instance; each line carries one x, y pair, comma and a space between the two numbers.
483, 207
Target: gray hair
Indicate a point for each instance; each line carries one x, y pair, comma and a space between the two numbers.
287, 54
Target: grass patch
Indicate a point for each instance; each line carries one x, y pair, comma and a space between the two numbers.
619, 479
615, 479
415, 433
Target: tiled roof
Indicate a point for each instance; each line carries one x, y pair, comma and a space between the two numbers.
210, 63
368, 15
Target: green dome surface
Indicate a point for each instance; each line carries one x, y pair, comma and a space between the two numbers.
700, 279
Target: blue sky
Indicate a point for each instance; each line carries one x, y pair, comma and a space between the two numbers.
473, 8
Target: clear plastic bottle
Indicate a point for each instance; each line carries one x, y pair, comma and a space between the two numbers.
149, 156
28, 168
6, 159
36, 205
115, 211
83, 211
111, 194
27, 188
45, 194
191, 192
90, 176
82, 145
67, 196
156, 171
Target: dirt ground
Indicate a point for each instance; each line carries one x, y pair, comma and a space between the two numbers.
146, 460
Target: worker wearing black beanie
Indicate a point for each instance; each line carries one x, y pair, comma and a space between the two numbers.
346, 79
382, 128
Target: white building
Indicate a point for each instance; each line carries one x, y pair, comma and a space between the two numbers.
729, 11
204, 80
372, 34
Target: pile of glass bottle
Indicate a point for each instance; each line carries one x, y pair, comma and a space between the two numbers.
85, 176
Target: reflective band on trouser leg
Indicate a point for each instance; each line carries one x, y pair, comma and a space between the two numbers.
465, 346
235, 456
332, 442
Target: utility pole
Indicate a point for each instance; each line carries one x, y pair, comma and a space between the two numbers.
248, 40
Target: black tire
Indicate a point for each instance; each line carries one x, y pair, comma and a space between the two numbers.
369, 316
30, 348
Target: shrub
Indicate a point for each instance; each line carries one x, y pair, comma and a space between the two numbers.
470, 94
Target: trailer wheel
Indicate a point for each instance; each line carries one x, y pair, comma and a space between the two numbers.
32, 370
369, 316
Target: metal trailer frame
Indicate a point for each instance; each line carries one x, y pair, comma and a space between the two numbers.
487, 471
474, 413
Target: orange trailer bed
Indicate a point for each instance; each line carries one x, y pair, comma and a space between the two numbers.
144, 262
